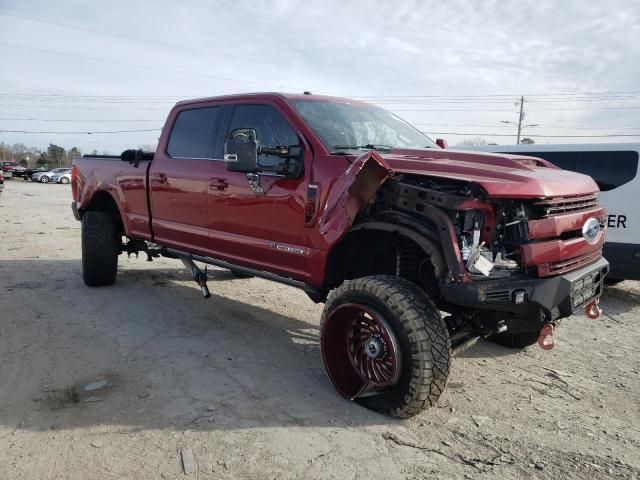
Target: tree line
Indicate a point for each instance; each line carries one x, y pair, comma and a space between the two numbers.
33, 157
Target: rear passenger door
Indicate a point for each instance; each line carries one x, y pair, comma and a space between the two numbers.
179, 179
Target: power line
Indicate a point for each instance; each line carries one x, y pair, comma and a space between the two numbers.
123, 107
148, 67
504, 126
79, 120
85, 132
512, 95
537, 135
181, 47
493, 110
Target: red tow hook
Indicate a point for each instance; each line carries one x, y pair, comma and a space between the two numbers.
545, 339
593, 310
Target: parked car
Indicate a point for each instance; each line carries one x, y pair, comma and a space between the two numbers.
359, 209
64, 177
615, 167
45, 177
1, 181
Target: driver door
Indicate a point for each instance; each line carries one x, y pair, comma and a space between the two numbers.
258, 218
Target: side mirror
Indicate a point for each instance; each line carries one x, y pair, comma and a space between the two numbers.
241, 150
442, 143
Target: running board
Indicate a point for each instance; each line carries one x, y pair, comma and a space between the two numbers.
309, 289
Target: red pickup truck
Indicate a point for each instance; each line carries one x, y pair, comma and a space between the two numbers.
355, 206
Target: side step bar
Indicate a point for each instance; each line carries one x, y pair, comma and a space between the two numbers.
188, 258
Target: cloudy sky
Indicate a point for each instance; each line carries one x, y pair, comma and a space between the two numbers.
453, 67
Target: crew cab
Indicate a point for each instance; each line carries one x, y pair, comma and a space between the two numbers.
364, 213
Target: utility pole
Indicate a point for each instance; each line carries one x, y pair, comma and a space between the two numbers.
521, 116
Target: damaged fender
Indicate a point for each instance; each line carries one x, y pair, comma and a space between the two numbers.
351, 192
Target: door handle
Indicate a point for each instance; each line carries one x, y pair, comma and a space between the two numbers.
159, 178
218, 184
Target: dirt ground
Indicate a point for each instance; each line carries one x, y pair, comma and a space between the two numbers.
116, 382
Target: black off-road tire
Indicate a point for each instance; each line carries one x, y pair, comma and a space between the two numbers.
612, 281
421, 334
515, 340
100, 249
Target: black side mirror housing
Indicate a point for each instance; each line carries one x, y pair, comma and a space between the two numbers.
241, 150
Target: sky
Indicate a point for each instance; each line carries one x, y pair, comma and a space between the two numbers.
451, 68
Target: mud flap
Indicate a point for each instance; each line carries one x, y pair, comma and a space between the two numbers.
351, 192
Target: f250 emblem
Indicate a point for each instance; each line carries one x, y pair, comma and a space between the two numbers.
591, 229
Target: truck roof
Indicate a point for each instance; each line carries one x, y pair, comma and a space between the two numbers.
267, 95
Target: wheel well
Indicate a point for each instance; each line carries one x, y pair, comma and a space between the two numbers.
385, 249
103, 202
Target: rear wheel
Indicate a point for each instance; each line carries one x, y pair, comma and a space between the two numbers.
100, 249
64, 180
385, 345
515, 340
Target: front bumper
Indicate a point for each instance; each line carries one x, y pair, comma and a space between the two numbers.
544, 299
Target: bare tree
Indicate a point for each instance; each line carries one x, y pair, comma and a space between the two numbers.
472, 142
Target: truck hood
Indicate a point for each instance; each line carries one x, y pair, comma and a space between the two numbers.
504, 176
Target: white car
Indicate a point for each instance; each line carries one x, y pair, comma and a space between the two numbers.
62, 177
45, 177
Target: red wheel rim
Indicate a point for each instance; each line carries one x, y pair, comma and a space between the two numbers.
371, 345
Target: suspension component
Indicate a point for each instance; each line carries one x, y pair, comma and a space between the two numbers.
199, 276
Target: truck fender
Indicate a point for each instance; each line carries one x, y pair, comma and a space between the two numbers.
352, 191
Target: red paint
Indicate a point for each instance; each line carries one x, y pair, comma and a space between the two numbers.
199, 206
557, 225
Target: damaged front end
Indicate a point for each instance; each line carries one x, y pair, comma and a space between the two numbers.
529, 258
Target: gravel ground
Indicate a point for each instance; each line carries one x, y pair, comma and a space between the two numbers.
118, 382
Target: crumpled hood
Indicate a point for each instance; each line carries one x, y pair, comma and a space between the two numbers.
505, 176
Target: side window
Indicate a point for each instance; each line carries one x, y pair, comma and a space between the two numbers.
271, 127
193, 133
610, 169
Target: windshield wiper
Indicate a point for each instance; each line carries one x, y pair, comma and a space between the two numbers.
368, 146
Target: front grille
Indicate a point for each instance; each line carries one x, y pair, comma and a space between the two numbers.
570, 204
562, 266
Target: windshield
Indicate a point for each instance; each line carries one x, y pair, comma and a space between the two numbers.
357, 126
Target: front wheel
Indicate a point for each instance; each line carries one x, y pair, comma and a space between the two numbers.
44, 179
385, 345
100, 249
